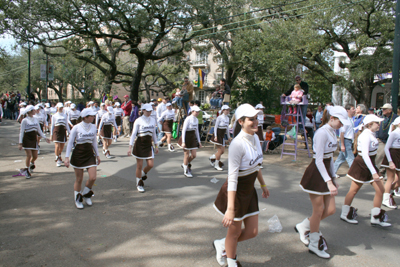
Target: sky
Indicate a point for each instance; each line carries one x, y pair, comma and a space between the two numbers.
6, 42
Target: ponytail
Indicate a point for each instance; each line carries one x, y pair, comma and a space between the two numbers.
356, 140
325, 118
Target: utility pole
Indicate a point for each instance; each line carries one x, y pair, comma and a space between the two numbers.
396, 60
28, 89
47, 77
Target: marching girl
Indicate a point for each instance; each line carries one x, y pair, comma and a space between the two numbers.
220, 129
22, 113
119, 114
29, 131
363, 171
99, 114
237, 199
73, 116
190, 140
145, 129
82, 143
59, 129
391, 162
319, 183
106, 133
167, 118
41, 117
260, 118
48, 116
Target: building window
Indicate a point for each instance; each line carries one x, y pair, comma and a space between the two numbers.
202, 58
202, 96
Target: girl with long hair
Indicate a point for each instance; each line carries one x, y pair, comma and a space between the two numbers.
59, 129
363, 171
237, 199
220, 129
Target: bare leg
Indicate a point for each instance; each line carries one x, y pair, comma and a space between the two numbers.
169, 135
139, 166
92, 177
354, 188
317, 202
79, 179
186, 157
150, 165
28, 153
330, 207
379, 190
219, 153
390, 178
34, 156
192, 156
232, 237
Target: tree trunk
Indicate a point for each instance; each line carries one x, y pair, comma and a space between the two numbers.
137, 78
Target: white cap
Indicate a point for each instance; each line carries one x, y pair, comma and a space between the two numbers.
28, 109
73, 106
168, 104
88, 112
68, 102
387, 106
47, 105
102, 104
117, 104
259, 106
340, 113
246, 110
37, 107
23, 104
151, 103
371, 118
147, 107
225, 107
59, 105
396, 121
195, 108
90, 103
110, 109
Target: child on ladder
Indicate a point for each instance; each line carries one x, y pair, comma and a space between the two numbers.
296, 97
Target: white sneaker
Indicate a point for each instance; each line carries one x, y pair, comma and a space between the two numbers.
317, 247
379, 218
303, 229
139, 185
144, 176
104, 152
78, 200
219, 246
59, 162
349, 214
87, 194
28, 174
186, 171
388, 201
31, 167
212, 160
217, 165
171, 148
397, 192
108, 156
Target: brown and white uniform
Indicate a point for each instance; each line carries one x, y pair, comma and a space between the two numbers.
83, 144
392, 150
119, 114
245, 159
30, 129
106, 124
145, 130
42, 118
190, 133
220, 129
73, 117
59, 127
99, 114
321, 169
169, 117
363, 166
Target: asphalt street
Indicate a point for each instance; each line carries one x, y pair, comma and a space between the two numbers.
173, 223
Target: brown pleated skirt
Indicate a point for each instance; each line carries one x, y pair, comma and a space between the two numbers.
59, 134
260, 133
74, 122
83, 156
118, 120
220, 137
143, 149
395, 154
191, 141
29, 141
106, 131
246, 200
359, 171
167, 126
312, 181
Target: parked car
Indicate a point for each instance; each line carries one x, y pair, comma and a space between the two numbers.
268, 120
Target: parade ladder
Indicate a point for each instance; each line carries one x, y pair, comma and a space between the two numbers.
294, 120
